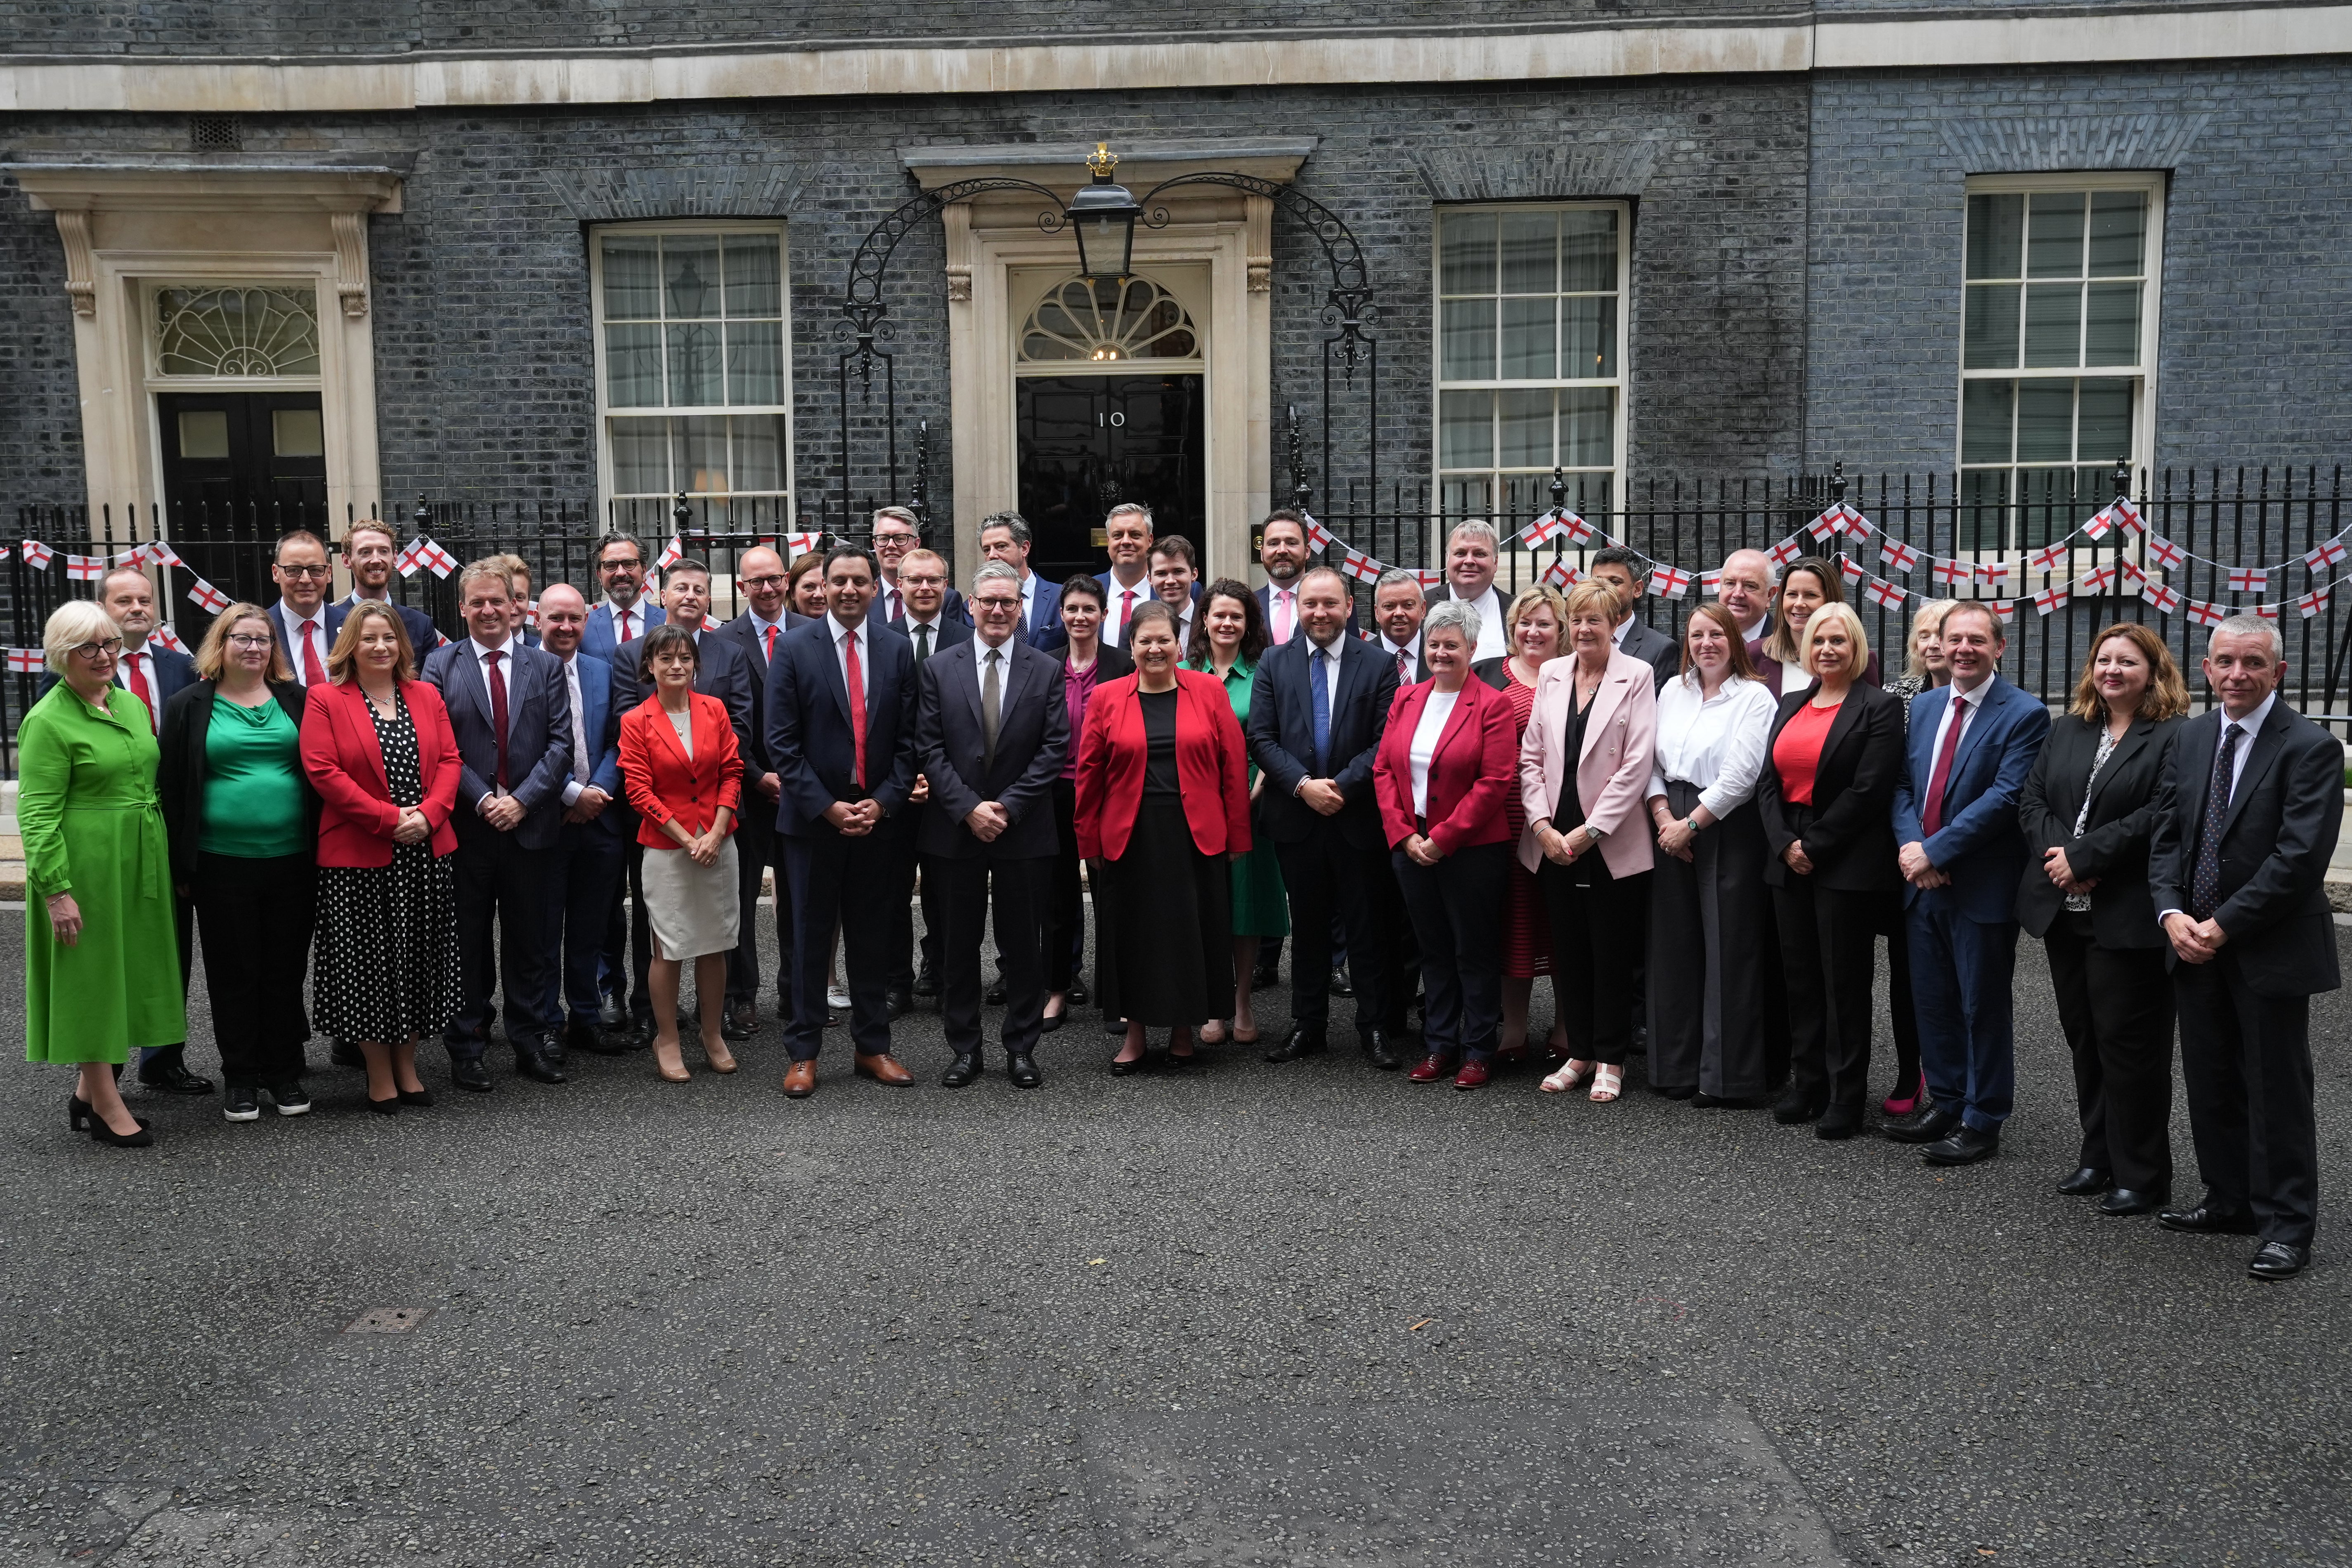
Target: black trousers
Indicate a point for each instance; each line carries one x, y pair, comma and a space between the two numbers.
584, 888
1598, 933
1022, 890
2115, 1006
1901, 1010
1710, 940
904, 892
1457, 913
755, 852
2245, 1060
256, 918
833, 880
499, 882
1065, 905
1402, 932
1328, 877
613, 974
1828, 954
184, 920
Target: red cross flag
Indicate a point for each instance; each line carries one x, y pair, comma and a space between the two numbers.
530, 613
1887, 595
2267, 612
2051, 598
1560, 574
2331, 553
1788, 550
1430, 577
2005, 608
1544, 528
430, 555
2166, 556
1857, 525
1993, 574
2118, 513
1849, 569
1318, 538
2206, 615
2310, 603
2131, 574
207, 597
2048, 558
86, 568
36, 554
134, 556
670, 553
1710, 583
26, 661
1669, 582
2166, 600
2099, 582
2250, 579
168, 638
159, 551
1828, 523
802, 543
1953, 571
406, 560
1896, 556
1361, 566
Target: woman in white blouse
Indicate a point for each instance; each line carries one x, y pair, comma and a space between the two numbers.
1710, 912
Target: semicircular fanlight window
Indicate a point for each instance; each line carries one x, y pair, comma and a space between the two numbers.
1107, 320
237, 332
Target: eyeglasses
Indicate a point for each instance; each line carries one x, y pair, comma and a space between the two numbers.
95, 650
895, 538
247, 639
307, 571
762, 582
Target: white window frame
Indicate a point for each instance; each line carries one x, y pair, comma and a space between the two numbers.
2152, 183
1618, 383
784, 498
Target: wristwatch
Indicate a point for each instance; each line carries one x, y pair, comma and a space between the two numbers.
1690, 825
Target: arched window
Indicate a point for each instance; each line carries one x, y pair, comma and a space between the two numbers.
1107, 319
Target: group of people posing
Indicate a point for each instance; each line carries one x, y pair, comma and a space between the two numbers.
1700, 840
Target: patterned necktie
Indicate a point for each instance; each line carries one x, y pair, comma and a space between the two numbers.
1125, 609
498, 712
579, 721
2205, 876
1404, 666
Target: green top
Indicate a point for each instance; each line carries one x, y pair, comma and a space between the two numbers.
1238, 681
253, 782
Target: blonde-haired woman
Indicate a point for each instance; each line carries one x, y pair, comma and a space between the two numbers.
102, 944
1535, 630
2089, 809
1584, 770
1827, 792
1924, 668
244, 826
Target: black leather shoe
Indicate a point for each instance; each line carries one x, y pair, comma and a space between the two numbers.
899, 999
962, 1071
1966, 1146
1304, 1040
1051, 1022
612, 1009
533, 1063
1936, 1126
740, 1022
2123, 1202
169, 1077
583, 1034
1114, 1025
1839, 1122
468, 1072
1341, 984
344, 1054
1380, 1050
1077, 995
1265, 974
1023, 1072
2279, 1260
624, 1036
927, 983
1794, 1109
2086, 1183
1681, 1091
995, 995
2207, 1220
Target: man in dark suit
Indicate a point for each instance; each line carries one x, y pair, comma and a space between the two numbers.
1316, 711
2247, 821
1129, 583
1473, 550
302, 621
722, 671
929, 629
1004, 536
896, 532
1622, 569
755, 633
510, 713
991, 730
624, 615
1282, 550
369, 551
585, 876
841, 732
1971, 749
1398, 606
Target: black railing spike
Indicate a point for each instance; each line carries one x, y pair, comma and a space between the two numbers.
681, 515
1837, 481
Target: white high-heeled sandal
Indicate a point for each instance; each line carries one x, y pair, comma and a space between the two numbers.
1570, 1077
1607, 1083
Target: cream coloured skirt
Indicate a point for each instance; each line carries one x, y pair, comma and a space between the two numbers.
692, 909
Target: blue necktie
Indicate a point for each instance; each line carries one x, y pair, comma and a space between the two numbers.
1316, 661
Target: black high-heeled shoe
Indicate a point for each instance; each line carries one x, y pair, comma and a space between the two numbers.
417, 1097
1121, 1069
78, 1114
100, 1133
386, 1107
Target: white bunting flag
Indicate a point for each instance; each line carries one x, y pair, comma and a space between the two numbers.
2097, 582
2310, 603
802, 543
1669, 582
2164, 554
1788, 550
2051, 598
1560, 575
36, 554
671, 552
2166, 600
167, 638
26, 661
1887, 595
2250, 579
1361, 566
439, 561
1953, 572
207, 597
1849, 569
1318, 538
1993, 574
2206, 615
2048, 558
2331, 553
1896, 556
86, 568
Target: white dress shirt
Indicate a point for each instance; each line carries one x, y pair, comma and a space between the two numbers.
910, 626
480, 653
1962, 710
1116, 612
1407, 675
760, 630
1028, 601
893, 606
636, 613
1492, 642
290, 627
1426, 736
579, 779
1718, 743
863, 633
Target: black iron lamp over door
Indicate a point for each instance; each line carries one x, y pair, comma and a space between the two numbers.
1103, 215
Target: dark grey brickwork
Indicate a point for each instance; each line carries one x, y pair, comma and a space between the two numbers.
2256, 276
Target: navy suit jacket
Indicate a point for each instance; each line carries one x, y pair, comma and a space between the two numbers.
423, 634
596, 637
952, 608
538, 740
1282, 737
334, 615
1043, 629
1033, 742
809, 737
724, 670
174, 673
1982, 844
751, 641
603, 727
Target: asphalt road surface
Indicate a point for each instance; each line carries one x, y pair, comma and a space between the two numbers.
1300, 1317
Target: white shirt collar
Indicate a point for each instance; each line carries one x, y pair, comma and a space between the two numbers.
482, 652
763, 623
837, 631
2253, 722
1394, 648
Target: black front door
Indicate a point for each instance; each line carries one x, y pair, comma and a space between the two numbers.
242, 465
1089, 442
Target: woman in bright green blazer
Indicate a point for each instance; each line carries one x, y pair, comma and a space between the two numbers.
101, 950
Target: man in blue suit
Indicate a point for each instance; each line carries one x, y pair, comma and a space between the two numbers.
841, 732
1005, 537
1316, 713
1129, 582
369, 551
585, 876
624, 615
1972, 745
511, 711
302, 621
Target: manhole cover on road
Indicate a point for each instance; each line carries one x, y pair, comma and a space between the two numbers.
388, 1320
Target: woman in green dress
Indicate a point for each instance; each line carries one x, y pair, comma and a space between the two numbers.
1228, 639
101, 948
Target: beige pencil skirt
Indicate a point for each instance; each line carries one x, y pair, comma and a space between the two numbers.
693, 910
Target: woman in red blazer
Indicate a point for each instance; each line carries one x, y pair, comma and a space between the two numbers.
377, 746
1448, 764
680, 765
1162, 807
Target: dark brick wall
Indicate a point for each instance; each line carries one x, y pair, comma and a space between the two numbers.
2257, 278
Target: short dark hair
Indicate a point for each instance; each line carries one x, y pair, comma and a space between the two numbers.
1012, 523
1289, 514
695, 563
661, 637
845, 551
1616, 555
296, 536
1326, 570
620, 536
1177, 545
1087, 584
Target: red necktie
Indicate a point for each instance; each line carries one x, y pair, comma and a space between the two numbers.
1933, 817
1125, 614
139, 687
855, 680
313, 672
498, 712
625, 632
897, 610
770, 656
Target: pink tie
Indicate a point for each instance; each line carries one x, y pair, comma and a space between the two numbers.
1282, 615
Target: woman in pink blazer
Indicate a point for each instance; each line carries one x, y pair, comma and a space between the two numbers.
1584, 768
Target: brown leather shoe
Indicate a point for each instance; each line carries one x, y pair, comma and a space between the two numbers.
800, 1079
885, 1068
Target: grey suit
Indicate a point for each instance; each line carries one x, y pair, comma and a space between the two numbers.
1654, 648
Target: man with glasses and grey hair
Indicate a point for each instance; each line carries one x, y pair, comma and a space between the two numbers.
1473, 550
1004, 538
